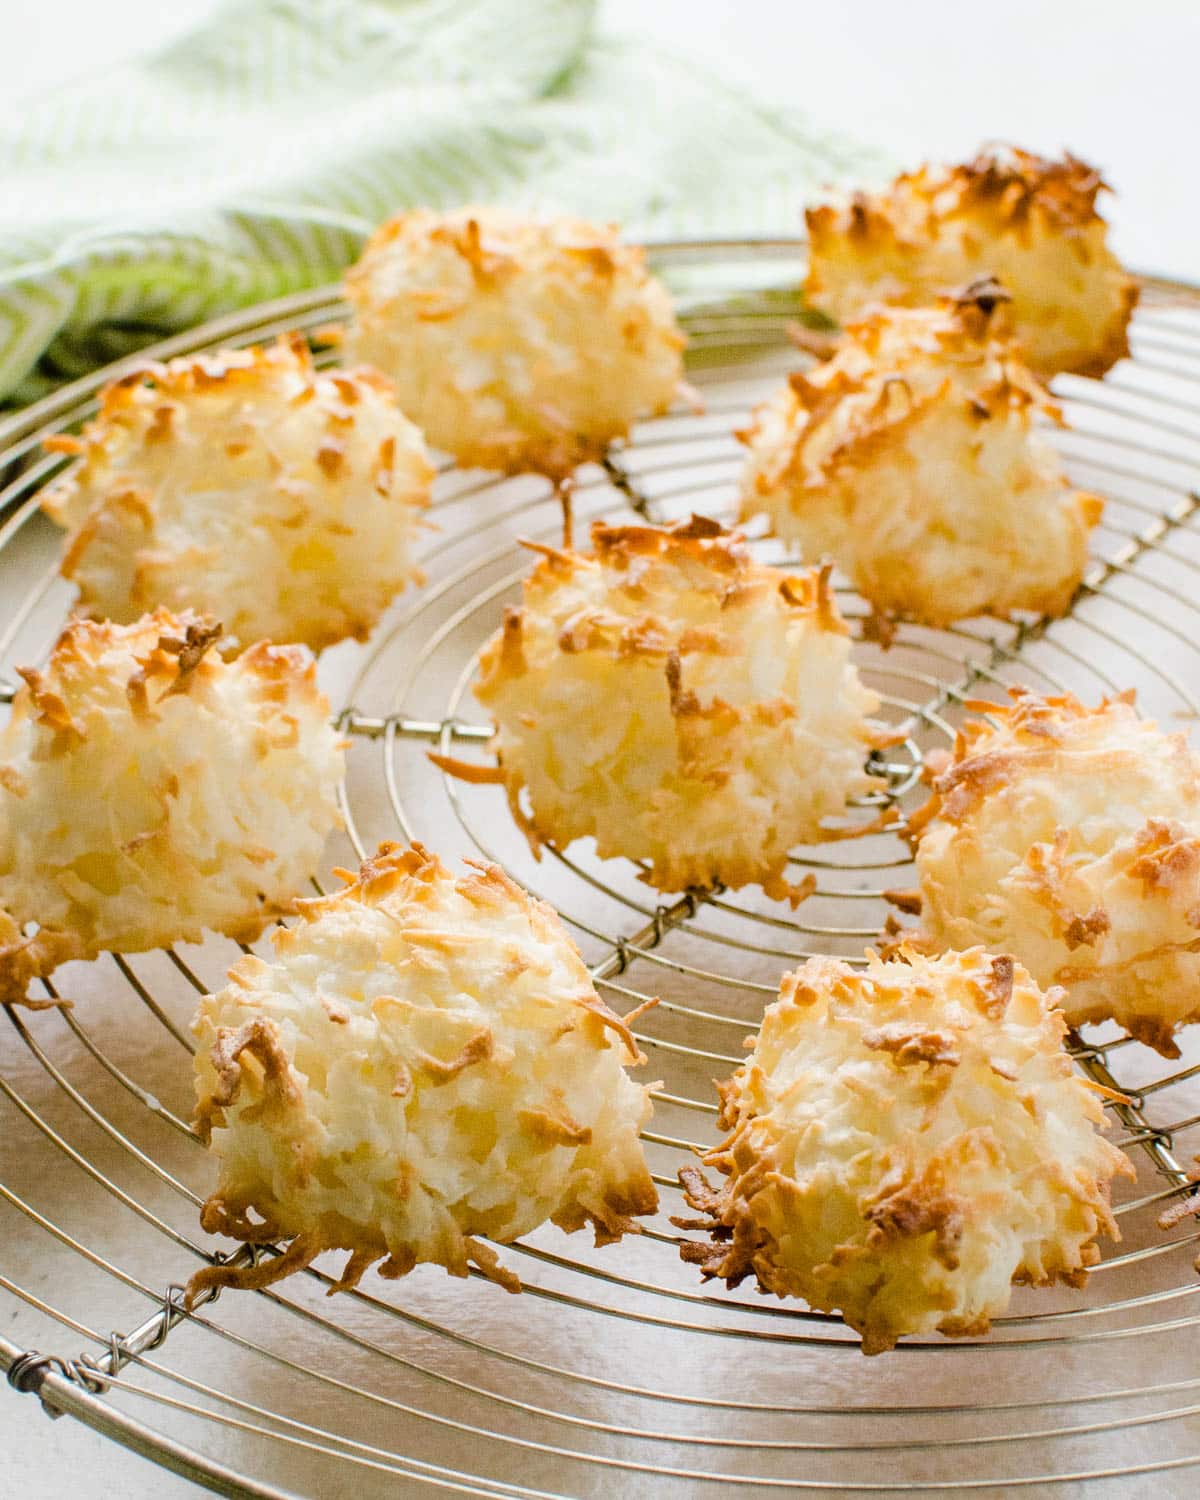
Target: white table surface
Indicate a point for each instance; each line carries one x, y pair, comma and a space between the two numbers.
1113, 82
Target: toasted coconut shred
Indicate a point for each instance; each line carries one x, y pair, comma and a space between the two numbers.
1029, 221
424, 1066
516, 345
150, 790
912, 459
904, 1144
679, 703
246, 483
1070, 837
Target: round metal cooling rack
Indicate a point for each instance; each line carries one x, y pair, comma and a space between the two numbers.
616, 1372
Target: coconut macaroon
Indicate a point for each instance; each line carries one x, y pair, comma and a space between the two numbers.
679, 703
246, 483
905, 1143
150, 790
1031, 222
912, 459
426, 1063
515, 344
1070, 837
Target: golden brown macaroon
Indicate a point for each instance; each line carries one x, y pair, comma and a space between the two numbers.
680, 703
905, 1143
247, 483
1070, 837
516, 344
424, 1064
1029, 221
912, 458
150, 790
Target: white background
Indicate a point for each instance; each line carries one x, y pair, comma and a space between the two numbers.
1115, 83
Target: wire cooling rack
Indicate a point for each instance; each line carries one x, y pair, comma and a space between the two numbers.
616, 1372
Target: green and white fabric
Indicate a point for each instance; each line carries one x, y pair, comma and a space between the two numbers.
250, 159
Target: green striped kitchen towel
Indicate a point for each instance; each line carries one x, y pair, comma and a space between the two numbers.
250, 159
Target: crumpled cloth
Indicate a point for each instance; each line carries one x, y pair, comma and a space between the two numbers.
251, 158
